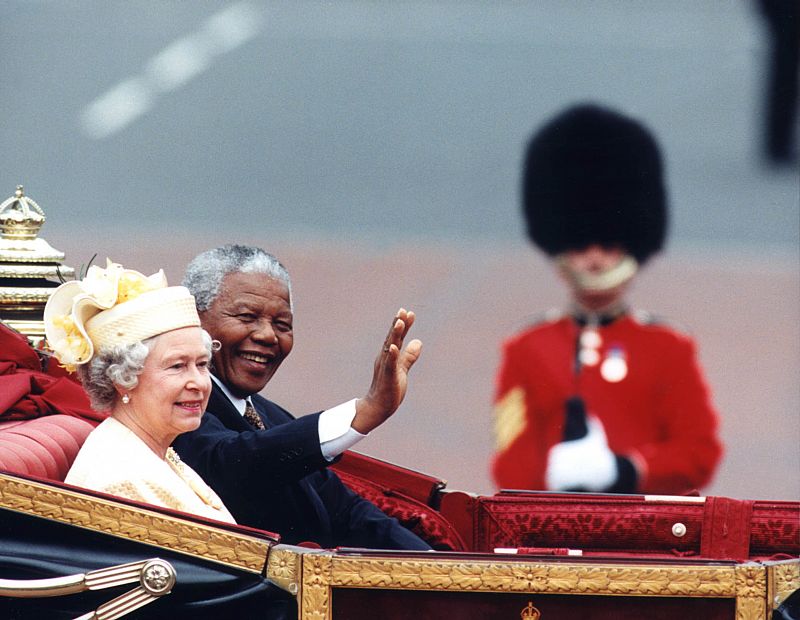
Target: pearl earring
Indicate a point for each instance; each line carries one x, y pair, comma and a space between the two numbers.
126, 398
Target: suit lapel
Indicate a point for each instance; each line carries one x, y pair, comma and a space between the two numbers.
311, 515
269, 412
220, 406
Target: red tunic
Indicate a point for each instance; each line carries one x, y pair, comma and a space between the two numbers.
659, 415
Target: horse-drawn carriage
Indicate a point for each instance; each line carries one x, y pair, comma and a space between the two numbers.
67, 552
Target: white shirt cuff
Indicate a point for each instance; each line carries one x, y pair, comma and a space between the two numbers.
335, 433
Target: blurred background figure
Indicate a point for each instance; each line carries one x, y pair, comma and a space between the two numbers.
782, 19
600, 397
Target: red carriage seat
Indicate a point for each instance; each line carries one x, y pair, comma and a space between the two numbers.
409, 496
45, 416
44, 447
633, 525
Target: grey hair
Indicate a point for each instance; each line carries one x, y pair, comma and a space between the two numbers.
206, 271
119, 366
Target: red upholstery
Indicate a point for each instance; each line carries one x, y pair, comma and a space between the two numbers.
775, 525
408, 482
44, 447
402, 493
715, 527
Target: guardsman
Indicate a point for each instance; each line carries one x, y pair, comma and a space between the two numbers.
600, 397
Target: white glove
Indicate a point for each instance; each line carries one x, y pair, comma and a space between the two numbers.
586, 463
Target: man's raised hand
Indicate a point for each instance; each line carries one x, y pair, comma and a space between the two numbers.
389, 376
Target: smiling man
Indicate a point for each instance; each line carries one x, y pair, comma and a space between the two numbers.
269, 467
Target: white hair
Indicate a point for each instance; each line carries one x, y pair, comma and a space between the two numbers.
205, 272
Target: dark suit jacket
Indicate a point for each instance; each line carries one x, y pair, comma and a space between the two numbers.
277, 479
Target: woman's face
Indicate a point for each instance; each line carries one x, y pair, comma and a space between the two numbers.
173, 388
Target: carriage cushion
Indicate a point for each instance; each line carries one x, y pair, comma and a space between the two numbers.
409, 482
709, 527
44, 447
416, 516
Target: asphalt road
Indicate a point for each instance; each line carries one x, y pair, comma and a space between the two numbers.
373, 120
375, 147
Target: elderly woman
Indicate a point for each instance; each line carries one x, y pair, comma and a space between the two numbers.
141, 355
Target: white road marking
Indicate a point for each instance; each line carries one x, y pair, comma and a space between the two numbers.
173, 67
117, 108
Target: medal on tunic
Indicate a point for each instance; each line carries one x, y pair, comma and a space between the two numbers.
614, 368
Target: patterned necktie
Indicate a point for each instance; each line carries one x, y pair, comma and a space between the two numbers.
252, 417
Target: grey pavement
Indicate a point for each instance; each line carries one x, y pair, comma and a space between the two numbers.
376, 148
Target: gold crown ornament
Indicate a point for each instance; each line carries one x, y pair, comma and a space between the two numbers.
21, 216
530, 613
30, 269
113, 307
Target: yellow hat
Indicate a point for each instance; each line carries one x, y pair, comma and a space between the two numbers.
113, 306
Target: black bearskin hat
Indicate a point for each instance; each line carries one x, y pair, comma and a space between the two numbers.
594, 176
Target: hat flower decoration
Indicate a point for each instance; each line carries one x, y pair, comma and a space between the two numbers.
69, 313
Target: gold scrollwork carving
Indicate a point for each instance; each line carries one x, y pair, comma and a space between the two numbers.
283, 569
534, 577
747, 583
783, 579
315, 603
751, 591
139, 524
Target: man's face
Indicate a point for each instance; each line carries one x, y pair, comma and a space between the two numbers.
252, 318
593, 260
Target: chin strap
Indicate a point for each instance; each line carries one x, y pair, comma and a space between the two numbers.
611, 278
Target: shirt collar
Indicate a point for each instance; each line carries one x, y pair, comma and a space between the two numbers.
601, 319
239, 403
